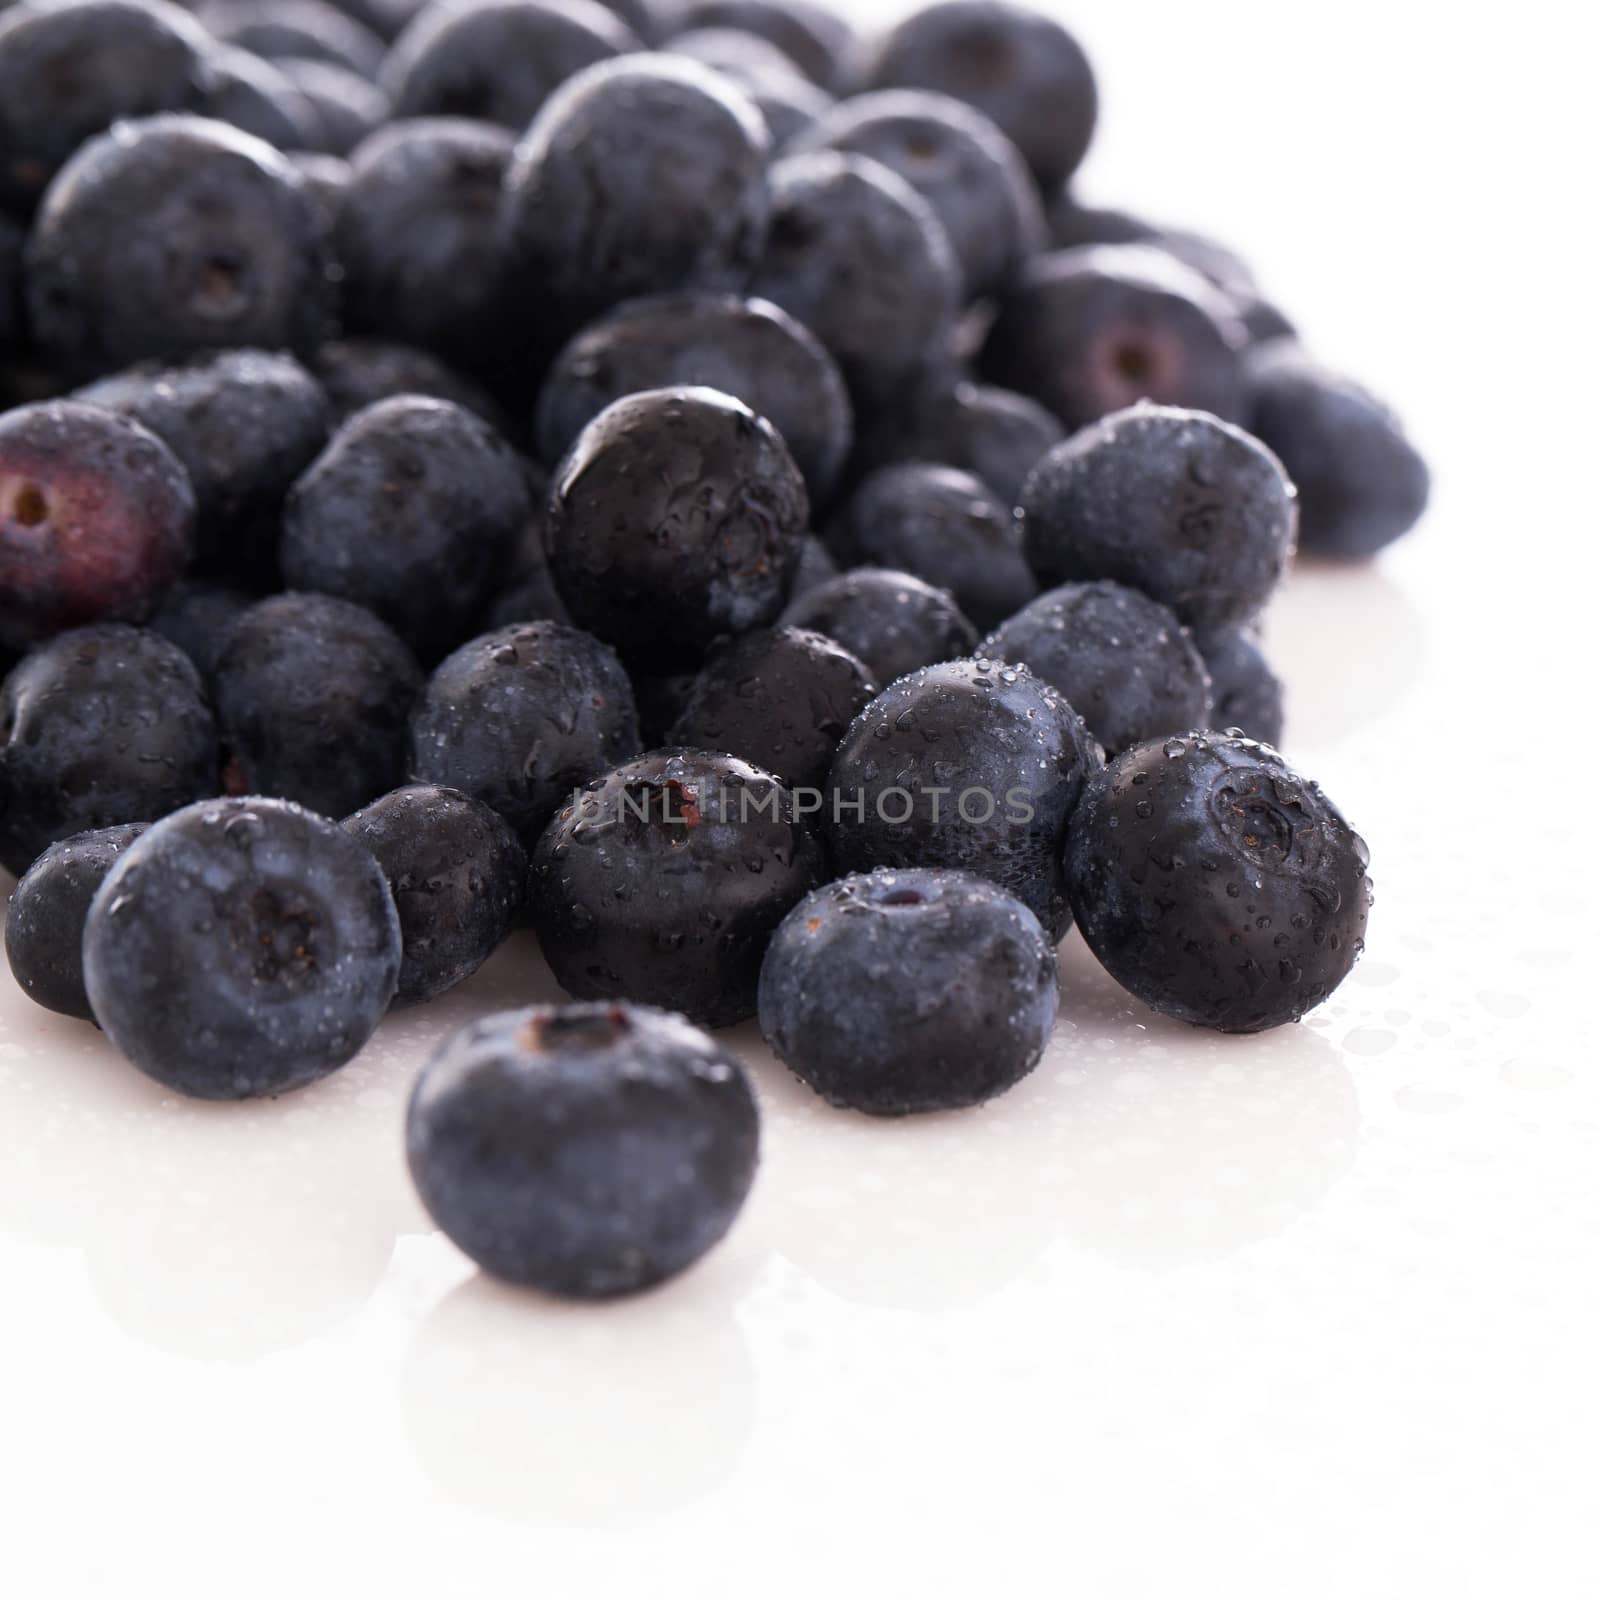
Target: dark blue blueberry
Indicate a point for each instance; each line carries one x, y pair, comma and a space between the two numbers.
522, 717
1125, 663
860, 258
241, 947
245, 424
70, 69
1193, 511
959, 162
312, 697
898, 992
788, 105
1362, 482
326, 179
357, 373
678, 515
891, 621
458, 876
816, 39
348, 107
173, 235
411, 511
498, 60
1246, 691
747, 58
815, 567
1019, 67
997, 436
747, 348
307, 29
1091, 331
587, 1151
639, 175
96, 519
257, 98
386, 18
663, 881
944, 526
417, 240
780, 699
44, 921
1215, 884
527, 593
196, 616
973, 765
102, 725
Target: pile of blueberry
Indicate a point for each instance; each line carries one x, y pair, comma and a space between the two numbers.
672, 474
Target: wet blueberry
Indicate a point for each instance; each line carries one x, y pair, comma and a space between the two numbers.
891, 621
1246, 690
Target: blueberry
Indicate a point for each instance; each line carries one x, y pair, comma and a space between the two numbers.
815, 567
677, 516
348, 108
173, 235
312, 698
780, 699
1091, 331
747, 58
526, 594
498, 60
787, 105
1247, 692
96, 519
44, 922
816, 39
972, 765
747, 348
411, 510
196, 616
245, 424
416, 237
944, 526
309, 29
959, 162
521, 717
357, 373
639, 175
899, 992
326, 179
1016, 65
1124, 662
241, 947
458, 876
997, 436
860, 258
1215, 884
663, 881
1362, 483
70, 69
257, 98
102, 725
1193, 511
892, 621
587, 1151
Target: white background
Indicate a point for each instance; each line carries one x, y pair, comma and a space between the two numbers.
1309, 1315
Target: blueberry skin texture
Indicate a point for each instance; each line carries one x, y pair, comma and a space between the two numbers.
411, 510
1124, 662
665, 879
251, 94
780, 699
1194, 512
638, 176
522, 717
944, 526
44, 921
997, 436
959, 162
196, 616
1216, 885
417, 238
976, 725
820, 42
498, 60
96, 519
1362, 483
245, 424
307, 29
1091, 331
585, 1151
102, 725
71, 69
747, 348
172, 235
1014, 64
458, 876
900, 992
677, 516
858, 256
891, 621
357, 373
348, 107
1247, 692
241, 948
312, 698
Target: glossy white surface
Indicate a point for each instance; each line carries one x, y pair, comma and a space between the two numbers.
1312, 1314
